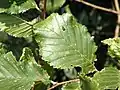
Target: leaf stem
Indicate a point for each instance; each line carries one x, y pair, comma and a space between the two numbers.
61, 83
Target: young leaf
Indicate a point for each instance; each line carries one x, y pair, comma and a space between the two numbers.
72, 86
109, 78
20, 75
114, 47
64, 43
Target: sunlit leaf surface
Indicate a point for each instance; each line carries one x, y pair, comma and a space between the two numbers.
64, 43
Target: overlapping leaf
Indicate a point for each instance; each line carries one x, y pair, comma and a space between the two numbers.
20, 75
114, 47
85, 83
15, 26
109, 78
21, 30
3, 36
54, 4
64, 43
88, 84
2, 49
16, 9
72, 86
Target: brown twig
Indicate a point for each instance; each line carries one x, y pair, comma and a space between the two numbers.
43, 8
118, 20
98, 7
61, 83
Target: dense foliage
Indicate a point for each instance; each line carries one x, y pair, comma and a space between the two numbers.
64, 45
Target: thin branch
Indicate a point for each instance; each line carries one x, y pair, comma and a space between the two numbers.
118, 21
116, 5
61, 83
44, 10
98, 7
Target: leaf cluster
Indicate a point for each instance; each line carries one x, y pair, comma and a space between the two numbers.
32, 50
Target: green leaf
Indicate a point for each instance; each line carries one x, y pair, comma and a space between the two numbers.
9, 20
114, 47
72, 86
108, 78
2, 49
4, 4
16, 9
20, 75
52, 5
64, 43
88, 84
3, 36
21, 30
15, 26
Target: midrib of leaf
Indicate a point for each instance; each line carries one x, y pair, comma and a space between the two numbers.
76, 45
69, 43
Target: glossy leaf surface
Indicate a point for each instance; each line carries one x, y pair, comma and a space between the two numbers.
64, 43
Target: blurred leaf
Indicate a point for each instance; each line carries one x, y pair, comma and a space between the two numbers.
114, 47
72, 86
3, 36
16, 9
64, 43
4, 4
18, 2
2, 49
40, 86
108, 78
20, 75
88, 84
9, 20
71, 73
52, 5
